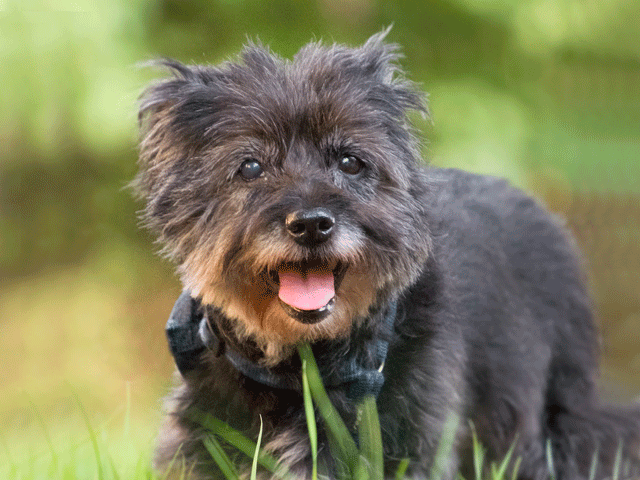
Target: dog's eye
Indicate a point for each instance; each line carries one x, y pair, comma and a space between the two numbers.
350, 164
250, 169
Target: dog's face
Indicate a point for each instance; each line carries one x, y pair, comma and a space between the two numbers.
287, 191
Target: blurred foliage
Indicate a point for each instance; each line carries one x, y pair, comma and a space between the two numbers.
544, 92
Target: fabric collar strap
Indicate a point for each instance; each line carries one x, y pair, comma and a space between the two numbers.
190, 334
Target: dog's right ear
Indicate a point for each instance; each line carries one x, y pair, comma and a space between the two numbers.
174, 117
177, 115
191, 89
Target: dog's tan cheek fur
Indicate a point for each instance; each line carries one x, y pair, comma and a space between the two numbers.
257, 313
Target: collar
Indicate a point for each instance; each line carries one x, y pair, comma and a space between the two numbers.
359, 372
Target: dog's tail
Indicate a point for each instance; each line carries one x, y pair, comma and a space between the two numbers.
588, 442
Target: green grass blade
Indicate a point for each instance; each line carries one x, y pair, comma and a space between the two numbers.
171, 463
516, 468
254, 466
221, 458
187, 474
360, 471
617, 463
371, 438
402, 469
594, 464
311, 421
443, 453
239, 441
114, 471
341, 443
552, 469
92, 437
499, 472
478, 452
47, 437
229, 434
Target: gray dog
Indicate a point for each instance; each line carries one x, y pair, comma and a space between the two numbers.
292, 197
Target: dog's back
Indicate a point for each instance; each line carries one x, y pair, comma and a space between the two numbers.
514, 323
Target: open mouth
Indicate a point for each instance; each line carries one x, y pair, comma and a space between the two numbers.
307, 290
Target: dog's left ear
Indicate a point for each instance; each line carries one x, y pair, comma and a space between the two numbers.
379, 60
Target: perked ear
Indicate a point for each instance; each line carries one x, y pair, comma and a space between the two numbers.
159, 97
176, 113
163, 93
167, 134
380, 60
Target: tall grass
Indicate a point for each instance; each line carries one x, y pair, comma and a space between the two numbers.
65, 450
78, 454
95, 453
354, 460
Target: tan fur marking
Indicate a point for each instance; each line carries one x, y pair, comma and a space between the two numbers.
258, 314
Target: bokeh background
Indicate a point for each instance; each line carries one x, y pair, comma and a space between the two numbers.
544, 92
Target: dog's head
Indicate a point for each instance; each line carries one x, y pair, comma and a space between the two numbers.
287, 191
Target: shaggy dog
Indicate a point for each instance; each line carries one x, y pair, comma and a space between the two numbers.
292, 197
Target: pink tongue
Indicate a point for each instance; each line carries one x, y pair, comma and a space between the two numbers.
311, 291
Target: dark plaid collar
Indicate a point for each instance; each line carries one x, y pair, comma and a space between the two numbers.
190, 334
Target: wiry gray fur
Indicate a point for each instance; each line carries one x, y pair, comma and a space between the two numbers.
496, 325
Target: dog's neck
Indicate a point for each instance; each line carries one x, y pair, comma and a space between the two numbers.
354, 365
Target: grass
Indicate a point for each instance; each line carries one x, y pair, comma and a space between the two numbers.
357, 460
78, 454
78, 448
97, 453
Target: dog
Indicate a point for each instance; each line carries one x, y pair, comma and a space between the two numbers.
292, 196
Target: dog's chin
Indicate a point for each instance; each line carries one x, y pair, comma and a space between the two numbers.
257, 311
308, 317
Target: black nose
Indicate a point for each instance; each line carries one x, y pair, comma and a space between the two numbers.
310, 227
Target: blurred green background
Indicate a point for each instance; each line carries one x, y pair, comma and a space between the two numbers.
544, 92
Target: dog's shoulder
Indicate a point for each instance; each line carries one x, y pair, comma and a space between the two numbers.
487, 206
463, 190
484, 230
